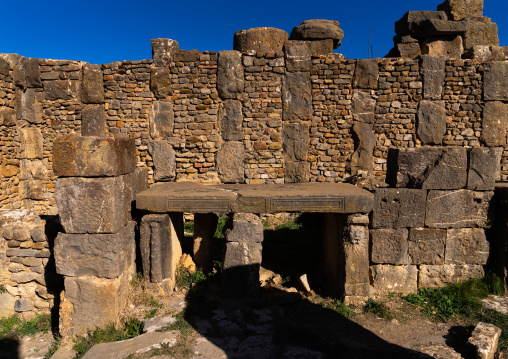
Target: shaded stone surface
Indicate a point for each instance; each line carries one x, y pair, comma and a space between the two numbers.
318, 29
94, 205
93, 156
99, 255
296, 172
298, 56
240, 276
436, 276
356, 258
484, 166
93, 121
163, 51
363, 106
495, 81
389, 246
164, 160
230, 120
427, 167
398, 208
411, 20
431, 122
457, 209
450, 47
429, 28
162, 119
30, 108
409, 50
244, 227
262, 39
466, 246
61, 90
366, 74
27, 73
427, 246
365, 140
387, 279
460, 9
205, 225
433, 72
31, 143
160, 82
480, 31
230, 82
230, 162
92, 84
494, 123
295, 140
296, 97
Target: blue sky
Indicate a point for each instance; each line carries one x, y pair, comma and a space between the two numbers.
106, 31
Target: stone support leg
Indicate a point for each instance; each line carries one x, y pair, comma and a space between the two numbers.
205, 225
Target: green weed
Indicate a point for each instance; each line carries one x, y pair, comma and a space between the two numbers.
16, 326
188, 227
220, 226
340, 308
182, 325
53, 348
151, 313
185, 279
2, 289
376, 308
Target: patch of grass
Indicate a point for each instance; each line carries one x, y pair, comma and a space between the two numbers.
291, 225
185, 279
151, 313
136, 279
340, 308
182, 325
2, 289
17, 327
376, 308
220, 225
53, 348
188, 227
7, 325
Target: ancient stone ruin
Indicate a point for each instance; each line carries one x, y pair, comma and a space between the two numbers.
403, 155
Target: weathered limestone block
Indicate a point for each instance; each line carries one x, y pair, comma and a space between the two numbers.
98, 255
365, 140
231, 120
295, 141
91, 302
484, 339
366, 74
27, 73
298, 56
433, 72
205, 225
484, 53
262, 39
427, 167
230, 162
296, 97
356, 258
318, 29
93, 121
61, 89
230, 82
30, 109
388, 279
435, 276
164, 160
466, 246
160, 82
460, 9
411, 20
495, 123
31, 143
33, 189
5, 68
451, 48
484, 166
363, 106
427, 245
317, 47
93, 156
480, 31
160, 250
409, 50
94, 205
458, 209
163, 51
431, 122
296, 172
389, 246
244, 227
162, 119
7, 116
92, 84
398, 208
429, 28
495, 81
139, 180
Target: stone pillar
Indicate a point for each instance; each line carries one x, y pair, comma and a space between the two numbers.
94, 192
242, 259
205, 225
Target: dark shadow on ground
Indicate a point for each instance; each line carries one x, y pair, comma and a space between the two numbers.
9, 348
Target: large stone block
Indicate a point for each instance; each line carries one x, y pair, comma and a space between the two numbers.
262, 39
91, 302
436, 276
162, 119
431, 122
427, 246
363, 106
244, 227
163, 51
388, 279
389, 246
429, 28
484, 166
466, 246
366, 74
427, 167
230, 162
230, 82
7, 116
139, 180
31, 143
398, 208
457, 209
61, 89
318, 29
5, 68
450, 47
460, 9
480, 31
94, 205
99, 255
433, 71
164, 160
494, 124
365, 140
231, 120
93, 156
93, 121
296, 97
160, 82
240, 276
298, 56
409, 23
27, 73
92, 84
295, 141
160, 249
495, 81
296, 172
30, 109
